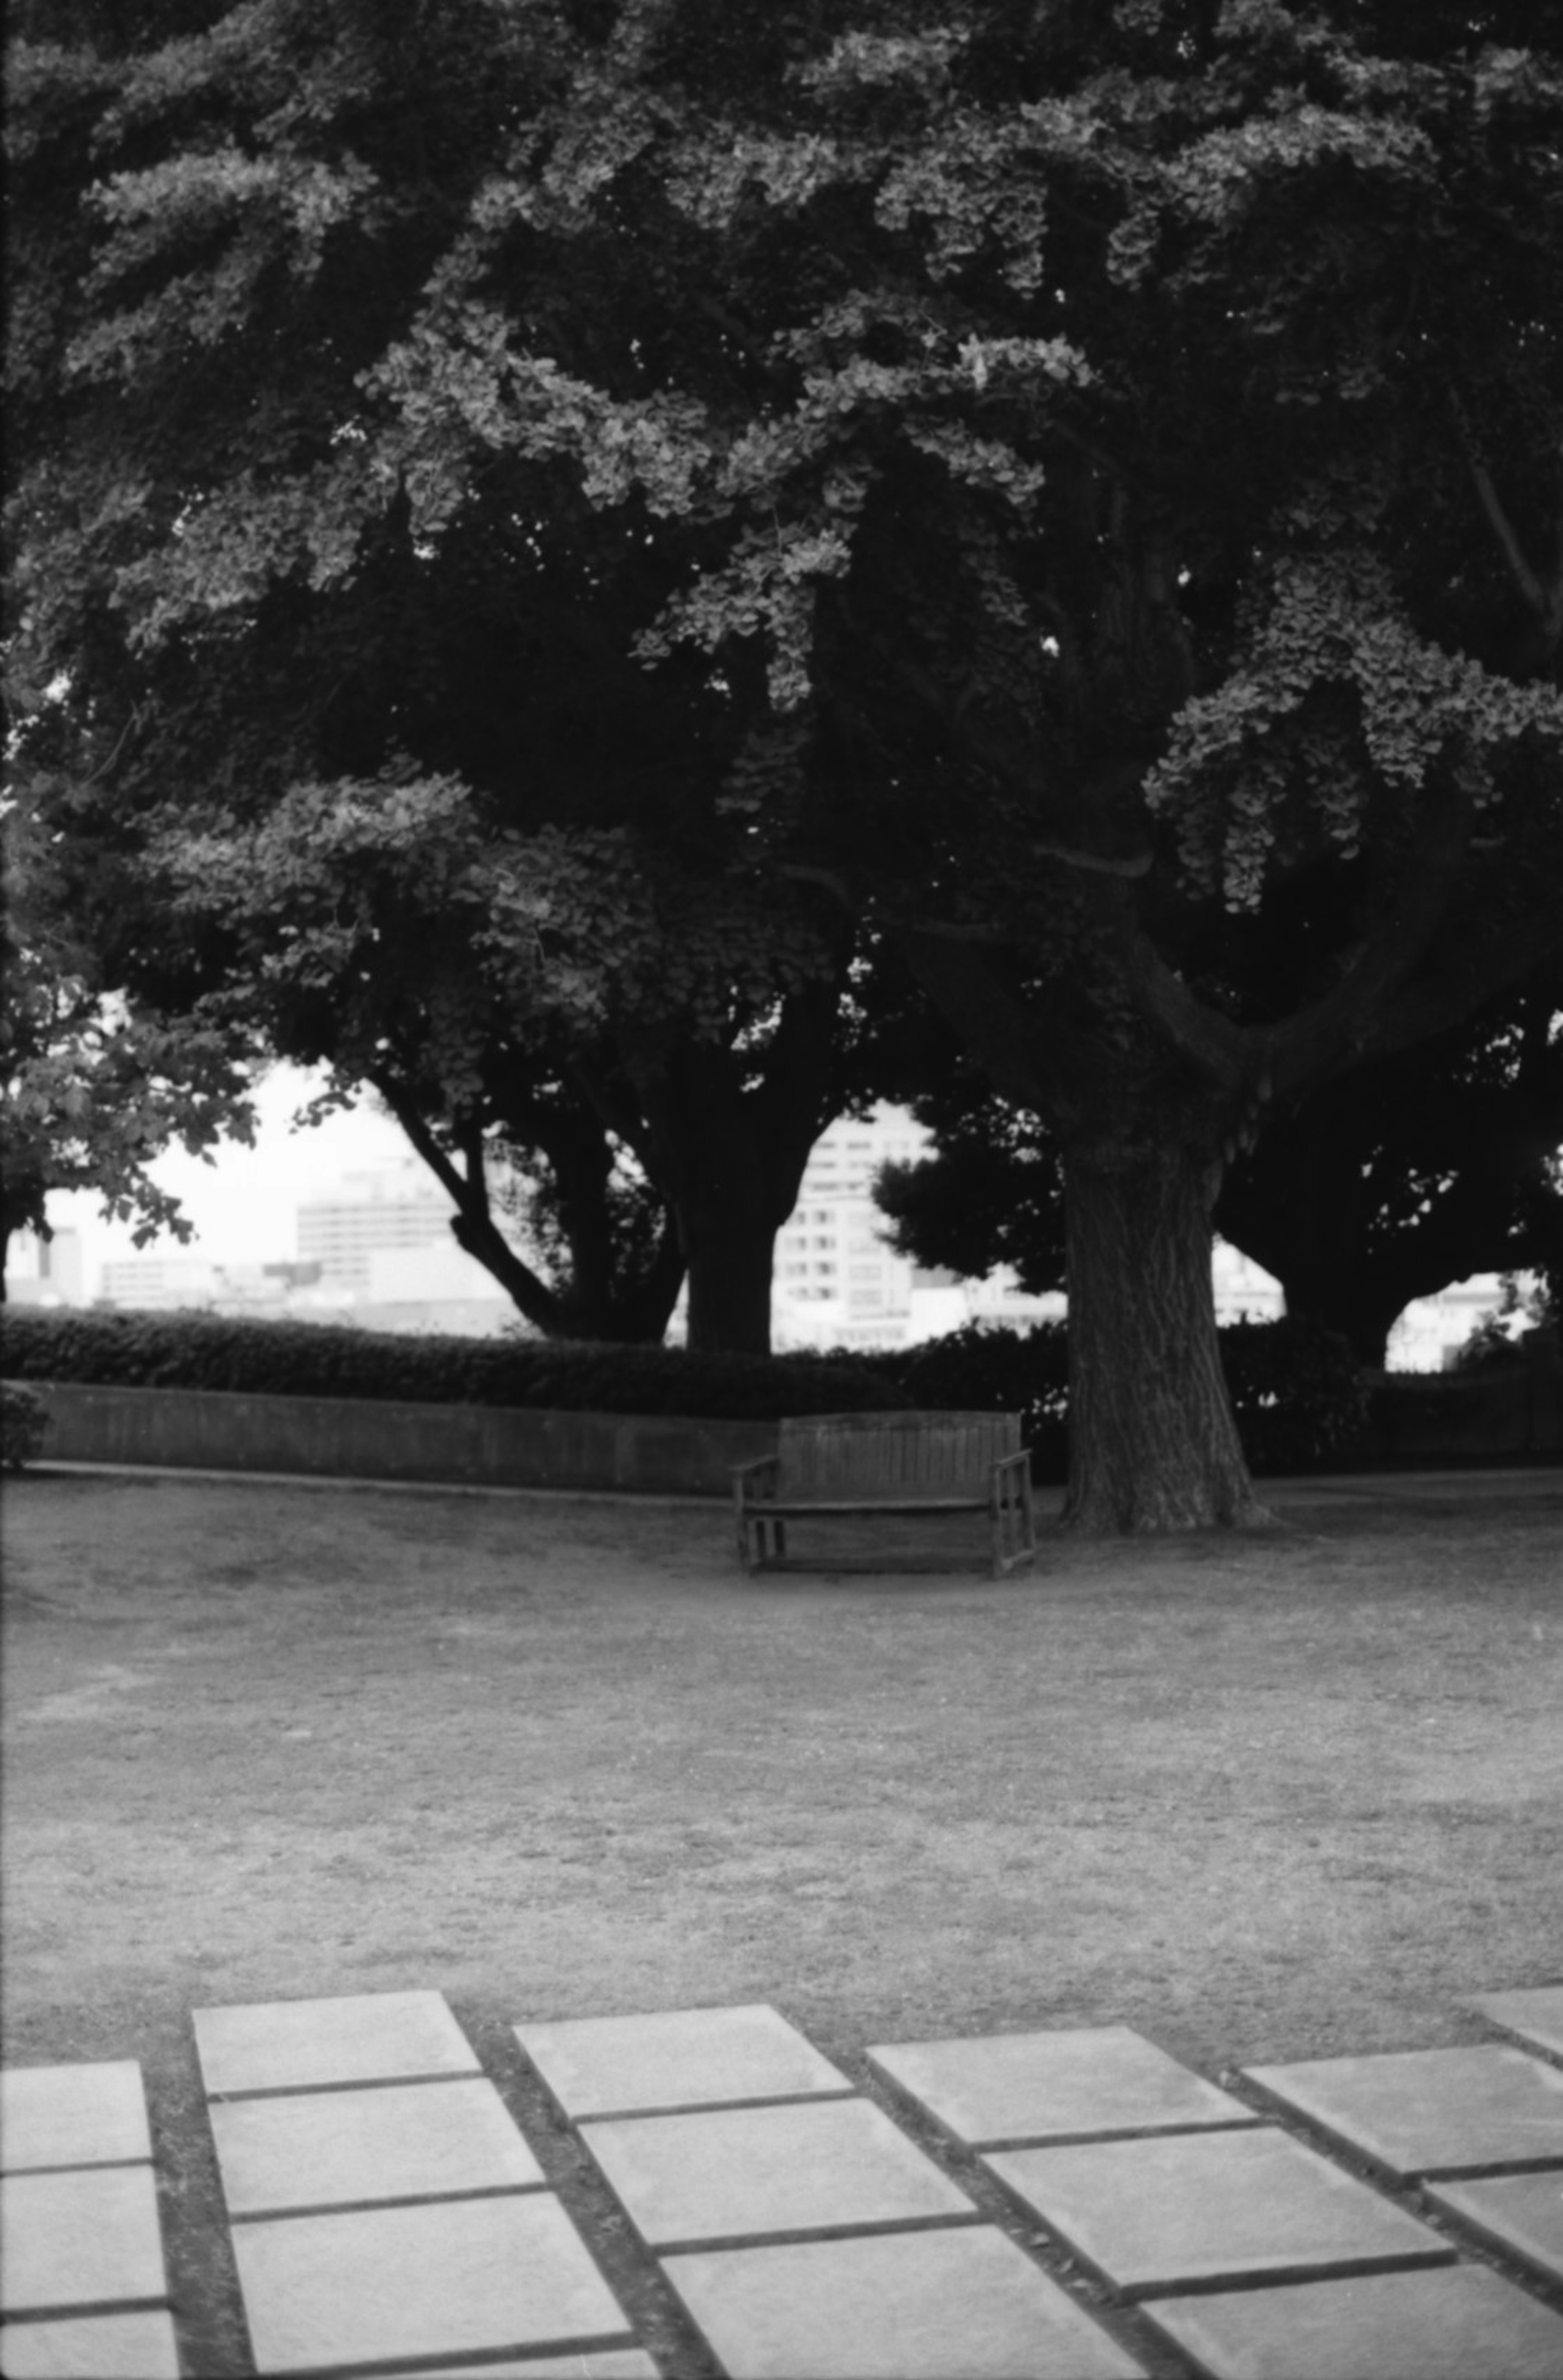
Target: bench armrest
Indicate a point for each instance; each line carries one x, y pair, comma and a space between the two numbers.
1012, 1462
747, 1477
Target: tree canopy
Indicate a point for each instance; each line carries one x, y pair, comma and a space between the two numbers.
1074, 490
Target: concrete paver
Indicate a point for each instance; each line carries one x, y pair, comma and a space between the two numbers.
1006, 2090
1430, 2112
71, 2241
92, 2347
1191, 2209
1458, 2322
682, 2057
365, 2148
299, 2045
931, 2305
731, 2176
72, 2115
466, 2276
1521, 2214
1533, 2017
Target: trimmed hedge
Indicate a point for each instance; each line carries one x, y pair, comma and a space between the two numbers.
24, 1423
1299, 1397
110, 1348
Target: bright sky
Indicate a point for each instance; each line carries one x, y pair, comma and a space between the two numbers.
242, 1203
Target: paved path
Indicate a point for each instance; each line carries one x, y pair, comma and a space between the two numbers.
1056, 2205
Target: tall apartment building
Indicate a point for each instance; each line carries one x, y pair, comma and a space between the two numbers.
836, 1282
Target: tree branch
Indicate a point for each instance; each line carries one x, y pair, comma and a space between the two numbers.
989, 756
992, 1025
472, 1226
1345, 1024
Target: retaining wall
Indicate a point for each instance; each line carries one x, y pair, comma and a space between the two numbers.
361, 1437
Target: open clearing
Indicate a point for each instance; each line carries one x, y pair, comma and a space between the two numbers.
1264, 1799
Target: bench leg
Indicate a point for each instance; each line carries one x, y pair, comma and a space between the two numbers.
1014, 1525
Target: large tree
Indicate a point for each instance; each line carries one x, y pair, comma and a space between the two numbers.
1083, 483
376, 742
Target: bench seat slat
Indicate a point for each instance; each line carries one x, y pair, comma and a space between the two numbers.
800, 1506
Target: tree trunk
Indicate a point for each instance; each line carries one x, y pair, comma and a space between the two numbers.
1152, 1444
729, 1261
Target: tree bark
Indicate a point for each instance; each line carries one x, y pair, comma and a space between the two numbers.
1153, 1443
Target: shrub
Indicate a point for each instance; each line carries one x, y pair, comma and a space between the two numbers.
207, 1350
979, 1370
24, 1422
1298, 1392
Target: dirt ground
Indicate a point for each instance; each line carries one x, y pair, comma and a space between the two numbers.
1261, 1799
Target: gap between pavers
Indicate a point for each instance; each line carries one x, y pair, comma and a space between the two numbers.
1520, 2215
92, 2347
1204, 2210
1022, 2089
1533, 2017
1429, 2114
605, 2364
677, 2059
57, 2117
933, 2305
1460, 2321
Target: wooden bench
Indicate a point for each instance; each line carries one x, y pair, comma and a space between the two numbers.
888, 1463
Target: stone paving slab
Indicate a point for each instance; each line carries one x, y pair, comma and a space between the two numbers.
72, 2115
1190, 2210
1519, 2214
302, 2045
92, 2347
366, 2148
1429, 2112
1459, 2323
605, 2364
1010, 2089
467, 2277
733, 2176
931, 2305
71, 2241
683, 2058
1533, 2017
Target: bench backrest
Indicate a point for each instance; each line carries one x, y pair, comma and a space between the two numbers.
903, 1456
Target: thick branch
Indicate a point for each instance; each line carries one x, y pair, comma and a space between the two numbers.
997, 763
472, 1226
1224, 1054
1344, 1025
992, 1025
1546, 603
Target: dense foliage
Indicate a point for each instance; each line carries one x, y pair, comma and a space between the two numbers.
546, 530
198, 1350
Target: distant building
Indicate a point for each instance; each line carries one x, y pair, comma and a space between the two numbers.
837, 1282
154, 1284
45, 1272
372, 1212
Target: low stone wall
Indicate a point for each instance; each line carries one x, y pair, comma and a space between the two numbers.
490, 1446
